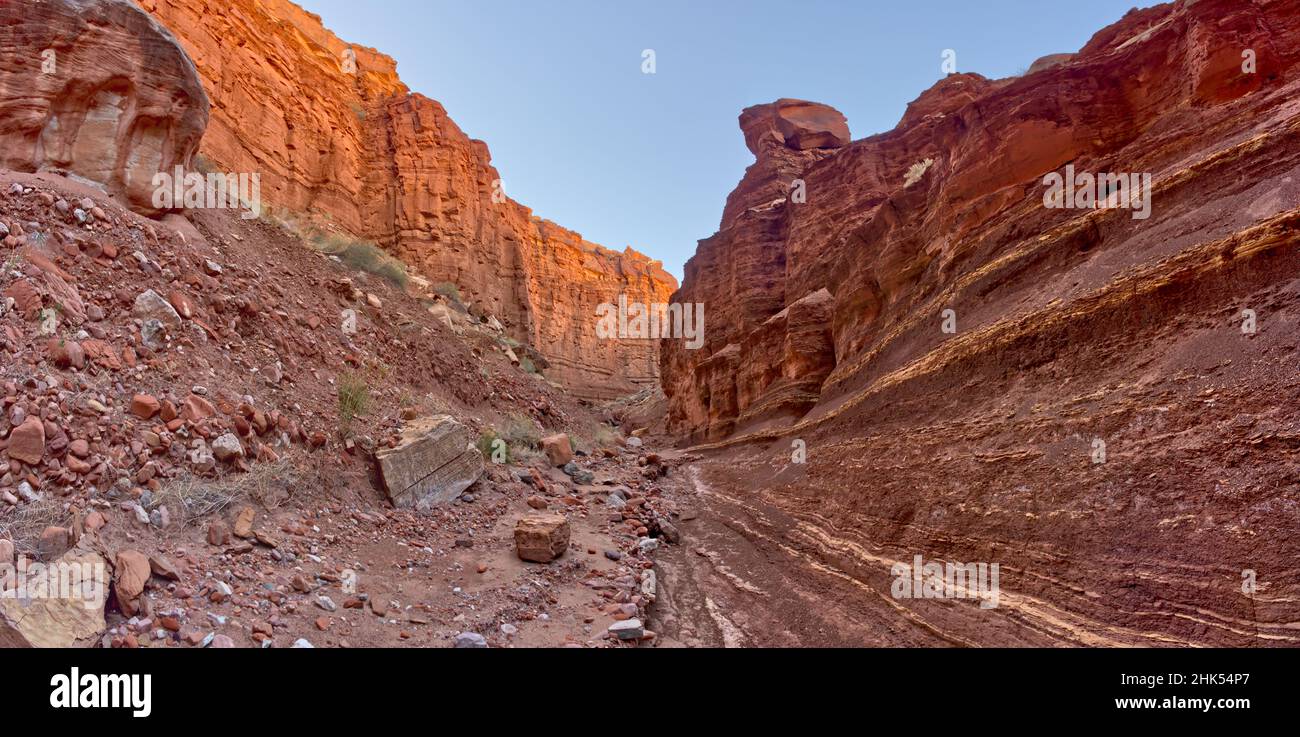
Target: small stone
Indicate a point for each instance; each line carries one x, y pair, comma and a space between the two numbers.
227, 448
145, 406
163, 567
54, 542
244, 522
27, 441
670, 532
628, 629
218, 533
471, 640
557, 448
130, 574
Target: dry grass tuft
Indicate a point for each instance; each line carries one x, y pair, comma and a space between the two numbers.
190, 499
24, 524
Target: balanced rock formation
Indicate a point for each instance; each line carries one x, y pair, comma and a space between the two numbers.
337, 136
892, 223
98, 89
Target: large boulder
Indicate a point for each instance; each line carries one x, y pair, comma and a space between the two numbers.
435, 461
99, 89
541, 538
60, 605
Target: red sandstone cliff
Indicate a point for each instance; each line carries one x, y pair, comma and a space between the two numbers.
1111, 417
336, 135
99, 90
1149, 94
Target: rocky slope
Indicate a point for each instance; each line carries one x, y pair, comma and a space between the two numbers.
1103, 410
339, 139
185, 406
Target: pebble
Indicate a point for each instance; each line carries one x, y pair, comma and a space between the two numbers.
470, 640
628, 629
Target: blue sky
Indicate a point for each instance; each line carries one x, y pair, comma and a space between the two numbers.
586, 139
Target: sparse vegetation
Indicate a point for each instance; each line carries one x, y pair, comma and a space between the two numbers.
487, 445
578, 444
917, 171
203, 164
526, 364
23, 524
448, 290
191, 498
363, 256
521, 436
354, 398
608, 437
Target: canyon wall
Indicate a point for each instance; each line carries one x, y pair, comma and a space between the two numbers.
338, 138
99, 90
924, 359
894, 224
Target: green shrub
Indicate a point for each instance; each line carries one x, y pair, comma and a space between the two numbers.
363, 256
578, 444
448, 290
607, 437
522, 439
354, 398
487, 445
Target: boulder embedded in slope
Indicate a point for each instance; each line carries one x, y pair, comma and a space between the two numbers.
58, 610
434, 463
